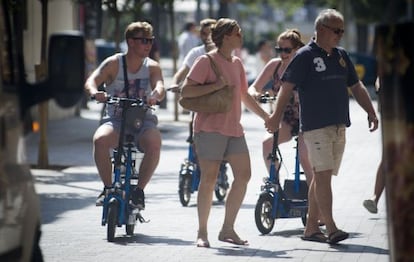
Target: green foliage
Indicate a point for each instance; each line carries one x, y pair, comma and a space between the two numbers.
368, 11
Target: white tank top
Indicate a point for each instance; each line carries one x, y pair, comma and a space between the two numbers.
139, 85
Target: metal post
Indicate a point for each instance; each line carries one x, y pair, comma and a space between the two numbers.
40, 70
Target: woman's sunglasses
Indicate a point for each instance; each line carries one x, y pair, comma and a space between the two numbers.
144, 40
286, 50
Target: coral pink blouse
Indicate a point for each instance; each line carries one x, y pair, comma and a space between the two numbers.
224, 123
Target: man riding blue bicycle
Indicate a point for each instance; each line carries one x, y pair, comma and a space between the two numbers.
132, 75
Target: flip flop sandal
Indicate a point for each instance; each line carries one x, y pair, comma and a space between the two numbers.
203, 243
337, 236
233, 240
315, 237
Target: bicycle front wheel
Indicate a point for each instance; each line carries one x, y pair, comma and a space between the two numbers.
184, 189
220, 193
263, 213
112, 220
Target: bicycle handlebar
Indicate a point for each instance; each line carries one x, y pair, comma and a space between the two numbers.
266, 98
132, 102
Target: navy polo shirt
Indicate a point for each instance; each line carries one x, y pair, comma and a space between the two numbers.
322, 82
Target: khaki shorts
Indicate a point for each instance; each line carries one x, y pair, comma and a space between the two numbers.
326, 147
215, 146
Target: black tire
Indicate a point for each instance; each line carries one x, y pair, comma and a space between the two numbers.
220, 192
184, 189
130, 229
112, 220
263, 213
222, 184
304, 219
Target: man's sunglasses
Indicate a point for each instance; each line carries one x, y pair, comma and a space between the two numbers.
286, 50
337, 31
144, 40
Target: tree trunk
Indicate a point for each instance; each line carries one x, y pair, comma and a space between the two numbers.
395, 53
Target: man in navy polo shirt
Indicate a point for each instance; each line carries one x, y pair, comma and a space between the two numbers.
322, 73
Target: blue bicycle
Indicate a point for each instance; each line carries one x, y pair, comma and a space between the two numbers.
275, 201
118, 207
189, 176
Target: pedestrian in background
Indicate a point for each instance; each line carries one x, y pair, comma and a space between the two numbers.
264, 53
220, 136
371, 204
322, 71
145, 81
187, 39
206, 46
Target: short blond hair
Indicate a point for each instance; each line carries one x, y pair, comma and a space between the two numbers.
137, 27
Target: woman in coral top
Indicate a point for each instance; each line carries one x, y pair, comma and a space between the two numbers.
220, 136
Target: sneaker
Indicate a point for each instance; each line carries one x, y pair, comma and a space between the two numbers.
100, 199
370, 205
138, 198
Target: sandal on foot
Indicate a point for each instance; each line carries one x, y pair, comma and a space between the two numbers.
337, 236
315, 237
202, 243
202, 240
232, 238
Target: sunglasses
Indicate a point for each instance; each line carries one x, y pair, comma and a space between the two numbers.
144, 41
286, 50
337, 31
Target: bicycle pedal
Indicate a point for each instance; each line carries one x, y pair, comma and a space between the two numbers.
142, 219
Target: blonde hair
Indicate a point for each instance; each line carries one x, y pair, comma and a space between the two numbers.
208, 22
137, 27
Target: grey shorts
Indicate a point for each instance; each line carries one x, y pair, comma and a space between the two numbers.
326, 147
150, 122
215, 146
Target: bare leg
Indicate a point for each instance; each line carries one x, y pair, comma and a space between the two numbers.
321, 193
209, 172
371, 204
104, 139
379, 183
150, 142
284, 136
240, 164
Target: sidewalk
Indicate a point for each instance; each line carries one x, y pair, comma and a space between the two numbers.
72, 231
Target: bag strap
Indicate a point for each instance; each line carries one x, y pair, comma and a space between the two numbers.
126, 82
214, 66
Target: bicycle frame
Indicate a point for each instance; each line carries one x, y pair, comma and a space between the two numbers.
276, 201
190, 171
123, 156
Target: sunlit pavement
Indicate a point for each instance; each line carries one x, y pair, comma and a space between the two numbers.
71, 222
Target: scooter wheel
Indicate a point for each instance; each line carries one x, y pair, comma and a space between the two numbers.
220, 192
112, 220
263, 213
184, 189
